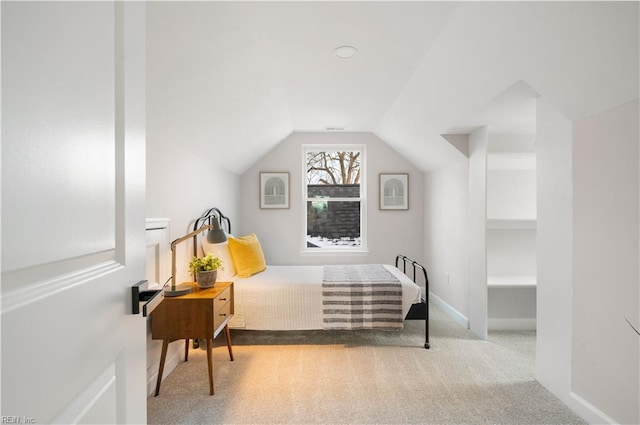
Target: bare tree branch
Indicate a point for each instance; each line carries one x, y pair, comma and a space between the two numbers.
333, 167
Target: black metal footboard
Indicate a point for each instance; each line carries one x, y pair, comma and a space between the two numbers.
420, 310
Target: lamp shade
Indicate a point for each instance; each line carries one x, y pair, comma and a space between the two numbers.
216, 235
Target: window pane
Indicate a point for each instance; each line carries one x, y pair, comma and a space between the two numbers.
333, 190
333, 224
335, 170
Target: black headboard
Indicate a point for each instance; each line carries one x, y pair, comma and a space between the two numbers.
207, 219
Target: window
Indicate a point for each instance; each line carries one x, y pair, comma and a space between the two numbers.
335, 198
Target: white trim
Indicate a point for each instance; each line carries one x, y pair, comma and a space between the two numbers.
346, 252
79, 407
175, 351
511, 223
588, 411
160, 239
360, 250
511, 324
36, 291
83, 269
157, 223
522, 281
455, 314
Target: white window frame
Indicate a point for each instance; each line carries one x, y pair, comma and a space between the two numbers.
362, 249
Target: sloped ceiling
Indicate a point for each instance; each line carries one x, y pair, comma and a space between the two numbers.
232, 80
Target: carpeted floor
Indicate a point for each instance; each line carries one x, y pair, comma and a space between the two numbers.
342, 377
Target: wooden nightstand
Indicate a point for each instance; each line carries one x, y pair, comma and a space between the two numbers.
201, 314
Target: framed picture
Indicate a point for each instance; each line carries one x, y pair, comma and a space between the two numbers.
394, 191
274, 190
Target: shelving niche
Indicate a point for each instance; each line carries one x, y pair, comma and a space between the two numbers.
511, 231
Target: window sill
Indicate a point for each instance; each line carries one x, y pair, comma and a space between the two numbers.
332, 252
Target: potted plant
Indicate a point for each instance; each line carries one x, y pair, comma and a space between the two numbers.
206, 270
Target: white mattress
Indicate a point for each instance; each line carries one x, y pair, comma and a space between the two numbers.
290, 298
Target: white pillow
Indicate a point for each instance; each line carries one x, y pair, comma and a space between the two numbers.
221, 250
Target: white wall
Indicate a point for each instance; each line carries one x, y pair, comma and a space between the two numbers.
605, 350
181, 185
281, 231
455, 235
478, 143
554, 250
511, 252
511, 308
511, 194
184, 178
446, 247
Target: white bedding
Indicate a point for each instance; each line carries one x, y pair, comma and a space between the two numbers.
290, 298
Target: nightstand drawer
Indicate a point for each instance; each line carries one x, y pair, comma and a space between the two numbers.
221, 314
222, 299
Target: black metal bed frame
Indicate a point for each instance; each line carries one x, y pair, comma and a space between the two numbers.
207, 219
418, 311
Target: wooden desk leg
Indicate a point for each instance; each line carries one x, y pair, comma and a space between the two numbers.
227, 336
186, 349
163, 357
210, 364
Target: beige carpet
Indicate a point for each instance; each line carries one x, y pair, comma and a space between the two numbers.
342, 377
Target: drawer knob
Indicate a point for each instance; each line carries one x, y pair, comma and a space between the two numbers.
223, 314
223, 299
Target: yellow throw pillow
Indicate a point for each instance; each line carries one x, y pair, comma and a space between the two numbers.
247, 255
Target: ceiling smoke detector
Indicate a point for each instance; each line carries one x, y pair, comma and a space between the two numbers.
345, 52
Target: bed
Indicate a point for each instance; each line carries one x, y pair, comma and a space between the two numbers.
295, 297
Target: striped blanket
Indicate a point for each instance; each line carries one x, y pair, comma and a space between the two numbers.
364, 296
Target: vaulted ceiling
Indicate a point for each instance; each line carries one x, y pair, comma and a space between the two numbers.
233, 79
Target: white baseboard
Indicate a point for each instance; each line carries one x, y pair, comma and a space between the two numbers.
455, 314
588, 411
174, 356
511, 324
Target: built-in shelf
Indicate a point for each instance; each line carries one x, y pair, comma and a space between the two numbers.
511, 227
511, 281
511, 223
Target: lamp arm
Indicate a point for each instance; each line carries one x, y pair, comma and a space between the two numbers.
178, 241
